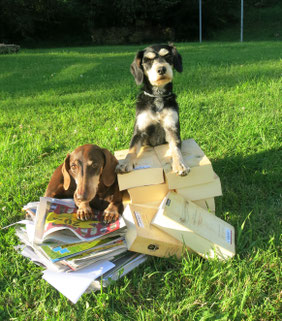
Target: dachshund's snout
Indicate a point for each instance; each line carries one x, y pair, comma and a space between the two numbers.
86, 191
161, 70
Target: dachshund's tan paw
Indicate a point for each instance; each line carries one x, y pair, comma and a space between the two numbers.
84, 213
110, 215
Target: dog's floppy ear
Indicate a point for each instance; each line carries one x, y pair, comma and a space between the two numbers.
136, 68
109, 175
177, 59
65, 171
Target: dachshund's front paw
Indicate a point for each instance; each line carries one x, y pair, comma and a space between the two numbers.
124, 167
180, 169
111, 214
84, 212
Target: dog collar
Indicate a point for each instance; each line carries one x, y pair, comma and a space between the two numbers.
157, 96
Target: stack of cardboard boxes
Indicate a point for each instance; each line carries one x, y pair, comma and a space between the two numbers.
166, 213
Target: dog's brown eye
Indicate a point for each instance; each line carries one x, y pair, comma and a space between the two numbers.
94, 166
73, 167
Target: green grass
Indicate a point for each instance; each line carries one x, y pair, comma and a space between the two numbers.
54, 100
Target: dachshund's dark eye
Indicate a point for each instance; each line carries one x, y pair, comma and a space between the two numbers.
94, 165
73, 167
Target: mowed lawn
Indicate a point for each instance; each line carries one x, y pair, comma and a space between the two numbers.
53, 100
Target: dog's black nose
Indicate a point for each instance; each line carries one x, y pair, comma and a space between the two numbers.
161, 70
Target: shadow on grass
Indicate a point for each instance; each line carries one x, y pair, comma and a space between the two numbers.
32, 74
206, 68
251, 187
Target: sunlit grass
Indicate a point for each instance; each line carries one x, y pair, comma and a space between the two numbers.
53, 100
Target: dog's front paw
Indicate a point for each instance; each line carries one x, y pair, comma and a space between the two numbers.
180, 169
111, 214
124, 167
84, 212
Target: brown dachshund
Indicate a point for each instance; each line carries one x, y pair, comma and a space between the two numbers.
88, 175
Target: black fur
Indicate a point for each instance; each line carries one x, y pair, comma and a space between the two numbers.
155, 134
157, 112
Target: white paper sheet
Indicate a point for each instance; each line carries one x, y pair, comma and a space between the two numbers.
25, 222
29, 253
73, 285
30, 228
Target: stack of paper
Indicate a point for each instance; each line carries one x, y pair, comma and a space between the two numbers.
74, 252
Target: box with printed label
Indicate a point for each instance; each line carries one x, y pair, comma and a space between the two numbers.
148, 169
203, 232
145, 238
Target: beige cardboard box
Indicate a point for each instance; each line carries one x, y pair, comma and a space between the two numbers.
125, 198
200, 230
148, 194
201, 168
203, 191
142, 237
153, 195
207, 204
148, 170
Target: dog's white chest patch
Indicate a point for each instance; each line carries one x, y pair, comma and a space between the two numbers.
145, 119
167, 118
159, 103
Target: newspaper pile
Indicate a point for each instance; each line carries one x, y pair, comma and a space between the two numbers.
77, 256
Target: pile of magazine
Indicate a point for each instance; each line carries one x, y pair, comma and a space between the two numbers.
78, 256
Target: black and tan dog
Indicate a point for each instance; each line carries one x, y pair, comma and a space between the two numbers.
157, 116
88, 175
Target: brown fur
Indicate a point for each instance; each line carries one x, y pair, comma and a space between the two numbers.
88, 175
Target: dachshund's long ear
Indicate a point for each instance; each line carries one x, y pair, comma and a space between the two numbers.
109, 175
136, 68
177, 59
65, 171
